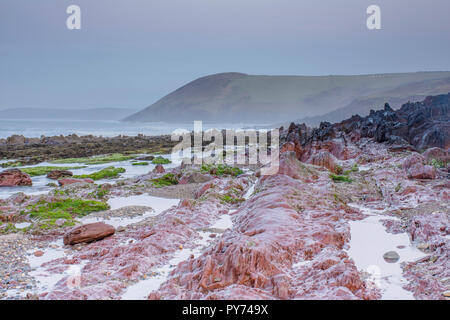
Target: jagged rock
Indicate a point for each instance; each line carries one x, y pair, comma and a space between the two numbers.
58, 174
14, 178
65, 182
415, 126
88, 233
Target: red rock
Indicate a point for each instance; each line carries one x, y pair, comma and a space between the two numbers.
411, 160
65, 182
88, 233
254, 259
159, 169
39, 253
14, 178
419, 171
58, 174
288, 146
324, 159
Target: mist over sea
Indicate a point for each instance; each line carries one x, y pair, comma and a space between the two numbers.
107, 128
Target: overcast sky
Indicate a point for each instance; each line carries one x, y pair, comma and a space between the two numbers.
130, 53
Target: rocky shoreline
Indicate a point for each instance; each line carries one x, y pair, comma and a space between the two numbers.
35, 150
186, 232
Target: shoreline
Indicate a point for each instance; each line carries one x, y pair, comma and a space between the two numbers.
31, 151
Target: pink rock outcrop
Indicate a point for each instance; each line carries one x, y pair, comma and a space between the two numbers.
270, 235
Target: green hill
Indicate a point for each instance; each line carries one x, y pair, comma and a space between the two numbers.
238, 97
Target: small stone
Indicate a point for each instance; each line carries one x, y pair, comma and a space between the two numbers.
39, 253
60, 222
391, 256
423, 246
446, 294
120, 229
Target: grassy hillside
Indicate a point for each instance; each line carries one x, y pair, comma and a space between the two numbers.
237, 97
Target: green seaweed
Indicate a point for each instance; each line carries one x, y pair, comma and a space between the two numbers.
338, 178
438, 163
143, 163
107, 173
220, 170
161, 160
40, 171
11, 164
115, 157
48, 212
168, 179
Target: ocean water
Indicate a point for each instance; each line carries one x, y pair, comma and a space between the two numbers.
35, 128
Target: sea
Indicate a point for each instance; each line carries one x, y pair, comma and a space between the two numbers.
32, 128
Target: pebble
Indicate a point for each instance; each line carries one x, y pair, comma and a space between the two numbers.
39, 253
391, 256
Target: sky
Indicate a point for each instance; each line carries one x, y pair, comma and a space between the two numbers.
130, 53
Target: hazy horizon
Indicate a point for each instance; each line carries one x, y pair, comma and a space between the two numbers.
131, 54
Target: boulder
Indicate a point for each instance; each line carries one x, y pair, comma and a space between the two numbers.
159, 169
88, 233
419, 171
14, 178
58, 174
411, 160
65, 182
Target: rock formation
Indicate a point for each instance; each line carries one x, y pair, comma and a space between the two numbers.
14, 178
88, 233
